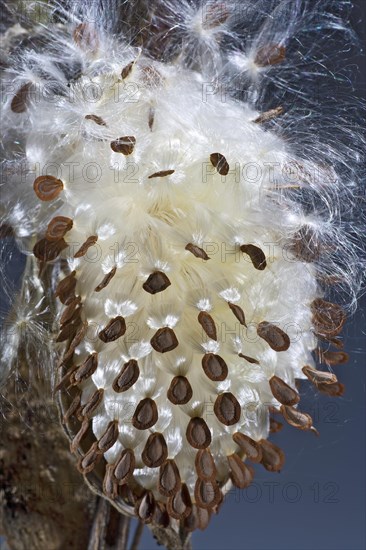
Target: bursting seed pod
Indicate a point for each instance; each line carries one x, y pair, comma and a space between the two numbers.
192, 236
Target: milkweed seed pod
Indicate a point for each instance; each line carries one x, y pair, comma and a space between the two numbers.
196, 208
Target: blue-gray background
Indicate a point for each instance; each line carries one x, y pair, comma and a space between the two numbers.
318, 500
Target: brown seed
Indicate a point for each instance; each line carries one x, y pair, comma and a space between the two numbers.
238, 312
155, 451
124, 467
180, 391
71, 311
97, 119
68, 332
129, 494
110, 488
203, 517
145, 415
251, 448
305, 244
65, 289
161, 516
249, 359
198, 434
283, 392
205, 465
319, 377
156, 282
127, 377
256, 255
79, 336
206, 493
58, 227
151, 117
208, 324
164, 340
296, 418
215, 367
227, 409
240, 474
114, 330
273, 457
65, 380
333, 390
332, 358
214, 15
90, 241
274, 336
191, 522
20, 101
275, 426
328, 318
86, 369
272, 54
179, 505
74, 406
79, 436
126, 71
161, 174
269, 115
47, 188
124, 145
106, 280
197, 251
110, 436
94, 400
169, 479
336, 342
219, 162
47, 251
145, 508
88, 462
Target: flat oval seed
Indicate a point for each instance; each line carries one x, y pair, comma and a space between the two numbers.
70, 311
179, 505
332, 358
240, 474
86, 369
197, 251
145, 415
169, 478
256, 255
164, 340
274, 336
227, 409
205, 465
191, 521
124, 145
110, 436
155, 452
127, 377
238, 312
124, 466
249, 359
180, 391
161, 174
73, 408
319, 377
47, 188
161, 516
47, 251
295, 418
145, 508
283, 392
328, 318
74, 445
219, 162
90, 241
106, 280
114, 330
198, 434
90, 460
97, 119
203, 516
273, 458
272, 54
94, 400
65, 289
251, 448
214, 367
110, 488
58, 227
333, 390
156, 282
207, 493
208, 324
127, 70
20, 101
